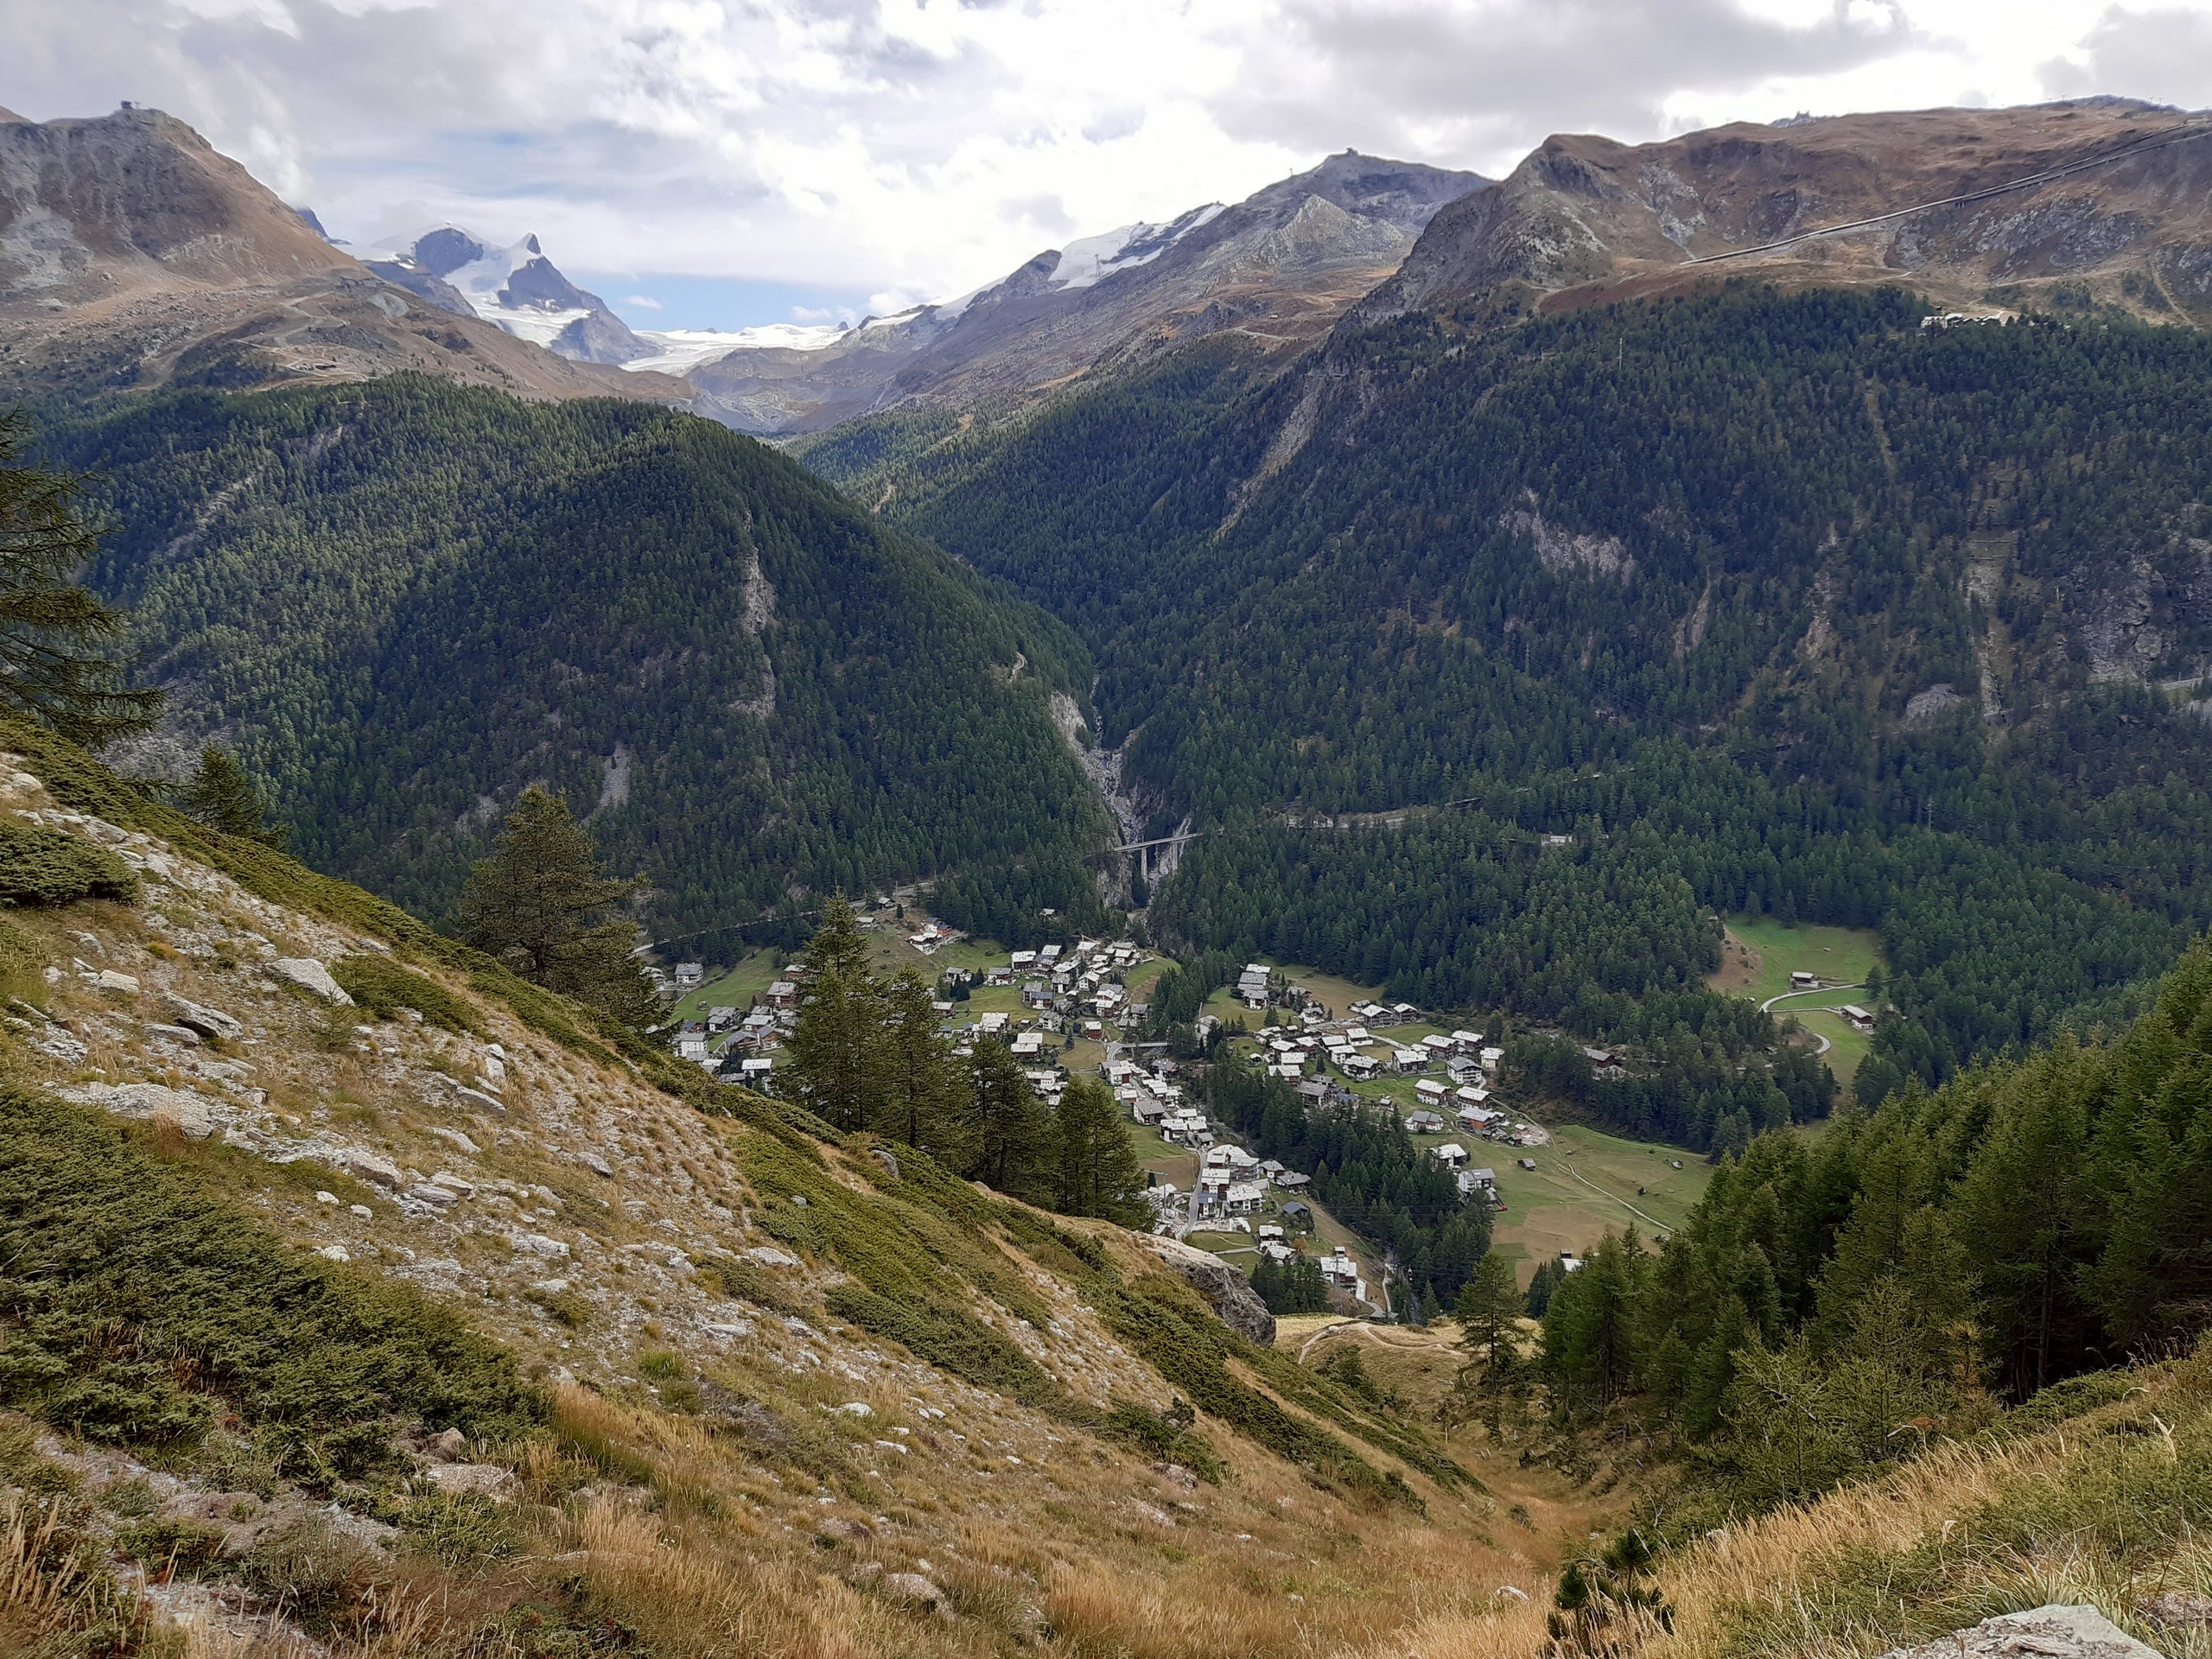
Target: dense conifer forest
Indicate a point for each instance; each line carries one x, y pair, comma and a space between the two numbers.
1781, 604
406, 600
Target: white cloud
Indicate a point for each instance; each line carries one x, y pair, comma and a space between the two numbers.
643, 302
909, 149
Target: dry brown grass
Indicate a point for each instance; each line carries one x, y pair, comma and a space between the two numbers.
2104, 1510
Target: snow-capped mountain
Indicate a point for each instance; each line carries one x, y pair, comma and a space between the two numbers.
1279, 267
518, 288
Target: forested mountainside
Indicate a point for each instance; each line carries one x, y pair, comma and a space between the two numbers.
2014, 1229
406, 600
1772, 601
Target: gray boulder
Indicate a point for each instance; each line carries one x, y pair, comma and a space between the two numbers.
2053, 1632
210, 1023
313, 977
1228, 1292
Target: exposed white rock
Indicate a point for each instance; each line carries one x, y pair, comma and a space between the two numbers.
149, 1103
109, 980
482, 1479
539, 1245
313, 977
2049, 1633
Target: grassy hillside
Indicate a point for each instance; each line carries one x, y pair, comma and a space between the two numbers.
405, 600
712, 1373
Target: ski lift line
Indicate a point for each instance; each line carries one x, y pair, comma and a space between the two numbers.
2193, 130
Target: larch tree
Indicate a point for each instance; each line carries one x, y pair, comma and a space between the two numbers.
60, 656
223, 798
1097, 1168
837, 1060
1012, 1134
543, 905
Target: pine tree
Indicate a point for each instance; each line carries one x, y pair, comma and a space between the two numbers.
836, 1053
922, 1101
1011, 1133
55, 635
222, 797
540, 904
1095, 1168
1489, 1304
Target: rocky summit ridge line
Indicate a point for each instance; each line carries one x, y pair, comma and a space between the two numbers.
2119, 216
132, 254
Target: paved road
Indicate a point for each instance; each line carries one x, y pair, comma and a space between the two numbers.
1767, 1007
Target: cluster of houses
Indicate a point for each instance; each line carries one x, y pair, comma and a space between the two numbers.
1078, 989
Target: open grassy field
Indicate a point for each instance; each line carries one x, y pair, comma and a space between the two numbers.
1759, 955
1585, 1184
734, 989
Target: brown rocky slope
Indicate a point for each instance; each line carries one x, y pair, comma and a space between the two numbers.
2102, 201
132, 254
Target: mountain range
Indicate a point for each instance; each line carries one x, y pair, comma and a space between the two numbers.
1276, 269
133, 255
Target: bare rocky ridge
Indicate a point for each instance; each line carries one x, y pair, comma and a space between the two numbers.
1586, 219
1277, 269
132, 253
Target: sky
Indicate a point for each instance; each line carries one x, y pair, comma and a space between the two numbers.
729, 162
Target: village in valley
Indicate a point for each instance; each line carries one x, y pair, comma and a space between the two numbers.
1084, 1008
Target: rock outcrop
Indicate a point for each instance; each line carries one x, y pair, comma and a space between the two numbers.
2052, 1632
1228, 1292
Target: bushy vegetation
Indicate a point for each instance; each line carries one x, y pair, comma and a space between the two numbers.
384, 988
2030, 1221
868, 1054
135, 1310
42, 867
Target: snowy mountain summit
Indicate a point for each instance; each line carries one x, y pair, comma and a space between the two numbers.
1277, 269
516, 288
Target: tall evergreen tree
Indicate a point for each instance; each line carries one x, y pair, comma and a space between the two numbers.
57, 658
543, 906
1489, 1304
1012, 1132
1095, 1168
223, 798
837, 1068
1590, 1329
922, 1101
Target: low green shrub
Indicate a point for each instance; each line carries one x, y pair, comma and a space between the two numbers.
456, 1529
181, 1549
1165, 1438
42, 867
132, 1303
956, 1342
383, 987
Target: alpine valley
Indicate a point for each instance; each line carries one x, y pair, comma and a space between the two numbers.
1427, 916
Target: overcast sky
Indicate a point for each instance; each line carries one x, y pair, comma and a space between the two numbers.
741, 161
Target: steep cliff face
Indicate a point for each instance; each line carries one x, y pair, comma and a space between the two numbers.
2102, 200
